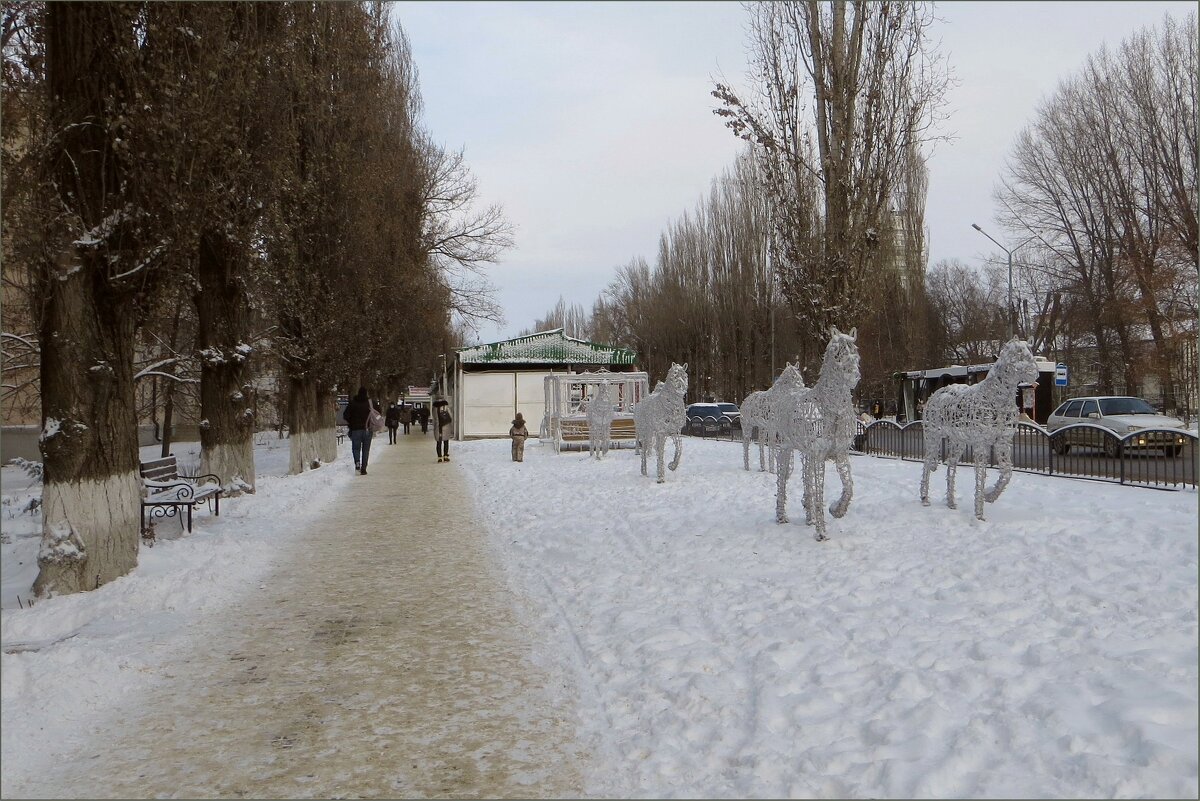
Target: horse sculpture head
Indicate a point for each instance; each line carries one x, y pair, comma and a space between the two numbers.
841, 356
790, 377
1016, 364
677, 379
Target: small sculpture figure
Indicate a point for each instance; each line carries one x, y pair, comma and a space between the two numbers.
980, 417
600, 416
759, 413
820, 424
660, 415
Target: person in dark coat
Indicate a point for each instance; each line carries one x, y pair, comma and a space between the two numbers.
393, 422
423, 412
406, 417
358, 410
443, 429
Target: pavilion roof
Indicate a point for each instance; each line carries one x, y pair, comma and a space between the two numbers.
545, 347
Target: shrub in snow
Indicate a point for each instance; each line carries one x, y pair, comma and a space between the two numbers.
660, 415
980, 417
820, 424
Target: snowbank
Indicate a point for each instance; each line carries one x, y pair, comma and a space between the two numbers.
1049, 651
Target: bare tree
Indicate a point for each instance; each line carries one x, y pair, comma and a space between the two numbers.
844, 93
1104, 178
460, 239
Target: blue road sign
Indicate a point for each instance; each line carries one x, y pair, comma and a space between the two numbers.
1060, 375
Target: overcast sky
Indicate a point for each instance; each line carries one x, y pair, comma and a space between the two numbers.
592, 123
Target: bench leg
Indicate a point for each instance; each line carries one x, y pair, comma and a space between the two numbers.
217, 505
189, 508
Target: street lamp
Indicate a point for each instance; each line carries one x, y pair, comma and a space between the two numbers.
1011, 311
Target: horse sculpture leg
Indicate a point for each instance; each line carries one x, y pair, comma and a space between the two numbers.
931, 462
980, 480
643, 447
746, 450
783, 470
839, 508
1005, 463
806, 478
660, 449
953, 454
678, 439
815, 468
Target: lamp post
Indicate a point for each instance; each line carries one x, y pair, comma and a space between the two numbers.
1010, 310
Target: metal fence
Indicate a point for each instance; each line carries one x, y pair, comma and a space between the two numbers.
1164, 458
1149, 457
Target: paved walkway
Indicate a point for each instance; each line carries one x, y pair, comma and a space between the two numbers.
384, 660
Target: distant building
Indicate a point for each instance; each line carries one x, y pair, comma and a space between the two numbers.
488, 384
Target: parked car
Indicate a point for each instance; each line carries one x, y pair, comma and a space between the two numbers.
705, 419
1119, 414
734, 414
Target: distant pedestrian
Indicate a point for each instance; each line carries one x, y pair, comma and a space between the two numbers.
443, 429
357, 416
424, 415
405, 417
393, 421
519, 433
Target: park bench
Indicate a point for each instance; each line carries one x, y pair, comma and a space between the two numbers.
166, 492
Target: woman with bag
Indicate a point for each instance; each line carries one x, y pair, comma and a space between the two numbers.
442, 429
361, 419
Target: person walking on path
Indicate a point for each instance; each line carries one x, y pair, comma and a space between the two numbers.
423, 413
519, 433
443, 429
357, 417
393, 420
405, 417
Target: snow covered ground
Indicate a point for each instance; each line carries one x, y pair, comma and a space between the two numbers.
1049, 651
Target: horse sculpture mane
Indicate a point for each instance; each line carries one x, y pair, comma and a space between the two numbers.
819, 423
662, 414
979, 417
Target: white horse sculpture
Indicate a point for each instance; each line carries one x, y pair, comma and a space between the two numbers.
760, 410
980, 417
600, 417
661, 414
820, 424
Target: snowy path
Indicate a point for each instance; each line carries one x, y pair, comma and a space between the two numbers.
384, 659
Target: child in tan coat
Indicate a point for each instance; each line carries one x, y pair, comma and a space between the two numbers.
519, 434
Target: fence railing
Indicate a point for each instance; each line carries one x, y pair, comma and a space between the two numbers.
1152, 457
1149, 457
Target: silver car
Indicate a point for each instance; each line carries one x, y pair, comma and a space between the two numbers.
1122, 415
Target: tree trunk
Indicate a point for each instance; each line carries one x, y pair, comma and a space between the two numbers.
89, 444
227, 419
91, 487
310, 419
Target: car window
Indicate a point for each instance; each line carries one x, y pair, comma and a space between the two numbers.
1089, 407
1073, 408
1126, 406
727, 407
1061, 411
